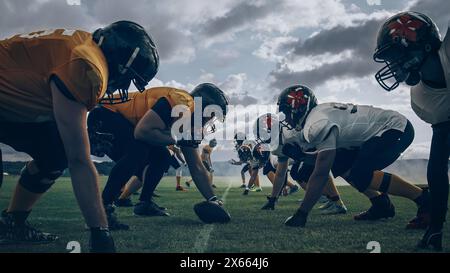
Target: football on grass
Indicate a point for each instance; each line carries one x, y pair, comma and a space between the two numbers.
211, 212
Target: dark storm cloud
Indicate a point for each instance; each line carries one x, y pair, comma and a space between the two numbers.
28, 15
238, 16
360, 40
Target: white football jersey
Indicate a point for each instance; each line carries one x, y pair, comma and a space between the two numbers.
433, 105
355, 125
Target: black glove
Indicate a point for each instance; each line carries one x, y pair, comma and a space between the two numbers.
297, 220
189, 143
101, 143
101, 241
270, 205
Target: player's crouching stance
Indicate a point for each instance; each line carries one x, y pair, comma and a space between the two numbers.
380, 135
148, 118
410, 45
274, 147
49, 80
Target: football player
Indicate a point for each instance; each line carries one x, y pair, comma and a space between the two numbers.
410, 45
147, 121
206, 160
239, 138
300, 170
268, 163
177, 163
380, 137
49, 81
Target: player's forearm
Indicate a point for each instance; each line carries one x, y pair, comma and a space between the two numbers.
280, 176
155, 136
316, 184
85, 186
202, 180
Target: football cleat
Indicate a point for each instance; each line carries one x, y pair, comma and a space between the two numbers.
125, 203
148, 209
376, 213
180, 188
334, 209
431, 238
14, 229
293, 189
423, 217
246, 191
325, 206
243, 186
323, 199
113, 223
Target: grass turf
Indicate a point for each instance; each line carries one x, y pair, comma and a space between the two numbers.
251, 230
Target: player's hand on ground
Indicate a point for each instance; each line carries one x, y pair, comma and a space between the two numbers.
297, 220
101, 241
270, 205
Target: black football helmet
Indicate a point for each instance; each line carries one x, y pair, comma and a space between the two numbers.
245, 153
261, 153
131, 55
404, 42
264, 127
295, 103
213, 143
211, 95
239, 138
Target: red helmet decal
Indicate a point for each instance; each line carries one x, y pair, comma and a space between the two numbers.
405, 27
269, 122
296, 99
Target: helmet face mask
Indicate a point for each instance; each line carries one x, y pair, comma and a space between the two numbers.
399, 67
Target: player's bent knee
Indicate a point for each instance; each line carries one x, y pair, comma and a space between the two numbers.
40, 182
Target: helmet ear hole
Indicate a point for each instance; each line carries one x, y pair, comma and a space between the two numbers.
428, 48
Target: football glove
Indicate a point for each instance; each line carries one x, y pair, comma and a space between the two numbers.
297, 220
270, 205
101, 241
101, 143
216, 200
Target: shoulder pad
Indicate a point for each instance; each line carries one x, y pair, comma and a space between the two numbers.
317, 132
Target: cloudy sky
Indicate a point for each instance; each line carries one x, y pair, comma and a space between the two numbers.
251, 48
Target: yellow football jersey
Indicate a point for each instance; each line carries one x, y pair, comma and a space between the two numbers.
28, 63
140, 103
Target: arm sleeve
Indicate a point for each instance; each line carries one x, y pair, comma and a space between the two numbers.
164, 110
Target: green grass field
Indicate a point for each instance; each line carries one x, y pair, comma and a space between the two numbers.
251, 230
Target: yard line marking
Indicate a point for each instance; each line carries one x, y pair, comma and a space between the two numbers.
203, 238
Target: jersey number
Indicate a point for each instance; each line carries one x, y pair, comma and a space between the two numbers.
42, 33
343, 106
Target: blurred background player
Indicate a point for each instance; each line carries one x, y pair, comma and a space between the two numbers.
206, 159
272, 136
49, 81
178, 162
239, 138
410, 46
